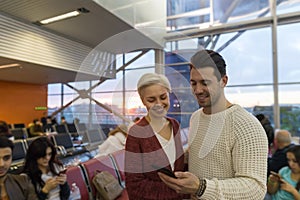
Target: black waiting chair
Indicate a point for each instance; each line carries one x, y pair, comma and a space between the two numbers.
20, 125
60, 128
65, 146
19, 133
95, 137
81, 127
71, 128
18, 156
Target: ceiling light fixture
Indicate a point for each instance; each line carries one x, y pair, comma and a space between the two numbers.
62, 16
10, 65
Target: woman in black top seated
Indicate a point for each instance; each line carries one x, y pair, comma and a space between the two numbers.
44, 169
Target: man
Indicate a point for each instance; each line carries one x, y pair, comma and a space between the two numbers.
228, 147
12, 186
278, 160
4, 130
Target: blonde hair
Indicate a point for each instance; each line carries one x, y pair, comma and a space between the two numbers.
149, 79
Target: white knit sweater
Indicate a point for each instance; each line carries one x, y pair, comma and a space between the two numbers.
229, 149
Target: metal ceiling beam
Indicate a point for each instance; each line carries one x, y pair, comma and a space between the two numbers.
234, 27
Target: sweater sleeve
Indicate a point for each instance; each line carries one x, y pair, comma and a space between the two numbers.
249, 157
138, 185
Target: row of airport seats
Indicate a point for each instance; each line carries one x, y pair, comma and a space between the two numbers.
86, 145
16, 125
84, 173
64, 144
19, 131
23, 132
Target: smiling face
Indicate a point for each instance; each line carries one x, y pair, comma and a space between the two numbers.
5, 160
293, 163
43, 162
206, 87
156, 99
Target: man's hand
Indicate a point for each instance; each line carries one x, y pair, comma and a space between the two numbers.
186, 182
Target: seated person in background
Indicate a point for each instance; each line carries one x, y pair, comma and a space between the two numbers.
136, 119
4, 130
286, 184
13, 186
36, 128
76, 120
265, 122
42, 166
48, 127
44, 118
63, 120
278, 160
115, 141
54, 121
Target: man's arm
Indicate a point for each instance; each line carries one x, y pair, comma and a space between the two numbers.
249, 157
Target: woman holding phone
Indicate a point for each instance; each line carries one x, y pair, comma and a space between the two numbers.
153, 143
46, 172
286, 184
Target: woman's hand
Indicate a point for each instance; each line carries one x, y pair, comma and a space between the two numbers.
287, 187
275, 177
62, 178
50, 184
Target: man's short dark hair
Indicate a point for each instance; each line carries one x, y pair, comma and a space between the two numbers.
4, 129
5, 142
209, 58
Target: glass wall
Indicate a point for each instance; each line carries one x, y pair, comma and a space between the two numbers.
289, 76
96, 108
188, 14
255, 78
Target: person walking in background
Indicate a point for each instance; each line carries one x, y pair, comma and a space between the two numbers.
283, 142
13, 187
286, 184
228, 147
153, 142
115, 141
43, 168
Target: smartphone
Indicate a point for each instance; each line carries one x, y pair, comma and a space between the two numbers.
164, 171
63, 171
275, 174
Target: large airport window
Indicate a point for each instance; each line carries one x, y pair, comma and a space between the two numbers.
249, 57
288, 6
288, 53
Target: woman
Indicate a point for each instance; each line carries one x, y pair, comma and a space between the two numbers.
286, 184
152, 143
115, 141
44, 170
